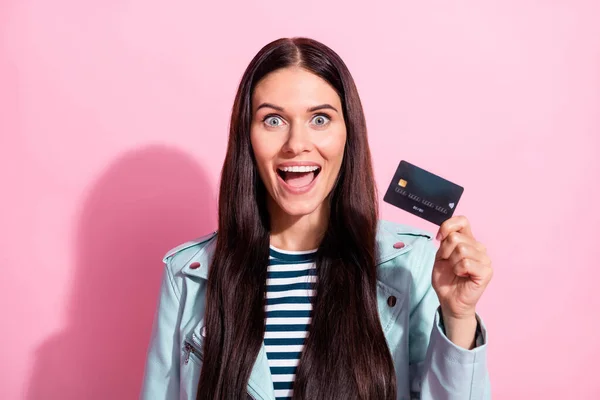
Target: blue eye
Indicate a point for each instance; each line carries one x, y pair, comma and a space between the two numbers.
269, 120
321, 119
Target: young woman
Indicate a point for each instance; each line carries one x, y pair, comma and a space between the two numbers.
302, 292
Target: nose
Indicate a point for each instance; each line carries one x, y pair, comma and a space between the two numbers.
299, 140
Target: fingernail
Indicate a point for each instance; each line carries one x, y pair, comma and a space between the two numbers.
439, 236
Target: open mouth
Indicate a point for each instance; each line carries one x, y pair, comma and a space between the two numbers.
298, 176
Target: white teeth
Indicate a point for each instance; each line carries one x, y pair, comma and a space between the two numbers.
300, 168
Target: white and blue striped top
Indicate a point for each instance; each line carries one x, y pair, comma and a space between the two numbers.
290, 279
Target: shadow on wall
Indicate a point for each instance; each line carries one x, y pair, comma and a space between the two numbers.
147, 202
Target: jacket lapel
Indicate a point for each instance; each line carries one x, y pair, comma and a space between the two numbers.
260, 384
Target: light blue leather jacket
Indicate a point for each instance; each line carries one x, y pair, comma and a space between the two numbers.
427, 364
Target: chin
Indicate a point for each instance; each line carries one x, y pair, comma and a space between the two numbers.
299, 209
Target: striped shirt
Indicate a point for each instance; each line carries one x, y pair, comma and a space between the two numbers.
290, 279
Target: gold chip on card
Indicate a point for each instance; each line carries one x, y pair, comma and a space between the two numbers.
402, 183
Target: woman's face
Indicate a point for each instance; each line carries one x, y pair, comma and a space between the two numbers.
298, 136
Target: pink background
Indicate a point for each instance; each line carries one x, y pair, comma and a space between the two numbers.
113, 125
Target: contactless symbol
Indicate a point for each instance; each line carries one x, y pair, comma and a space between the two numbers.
402, 183
451, 205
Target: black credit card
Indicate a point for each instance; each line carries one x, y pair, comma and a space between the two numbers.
423, 194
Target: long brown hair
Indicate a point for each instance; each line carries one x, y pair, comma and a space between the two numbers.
345, 354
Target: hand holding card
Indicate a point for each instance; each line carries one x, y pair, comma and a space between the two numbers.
461, 272
462, 268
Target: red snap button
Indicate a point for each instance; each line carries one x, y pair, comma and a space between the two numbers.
194, 265
391, 301
398, 245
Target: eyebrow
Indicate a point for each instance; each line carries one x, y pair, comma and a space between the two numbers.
310, 109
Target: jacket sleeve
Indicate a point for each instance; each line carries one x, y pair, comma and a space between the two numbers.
440, 370
161, 374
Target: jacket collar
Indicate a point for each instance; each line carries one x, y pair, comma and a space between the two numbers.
388, 235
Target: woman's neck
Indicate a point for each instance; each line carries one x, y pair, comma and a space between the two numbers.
298, 233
